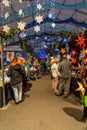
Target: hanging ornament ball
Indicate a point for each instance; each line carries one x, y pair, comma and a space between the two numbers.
53, 25
50, 15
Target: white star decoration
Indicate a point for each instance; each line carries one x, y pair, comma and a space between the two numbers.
6, 3
39, 19
6, 28
6, 14
20, 1
37, 28
21, 25
39, 6
20, 12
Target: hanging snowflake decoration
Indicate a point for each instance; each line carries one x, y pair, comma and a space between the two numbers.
39, 19
39, 6
6, 28
37, 28
6, 14
6, 3
20, 1
81, 40
21, 25
20, 12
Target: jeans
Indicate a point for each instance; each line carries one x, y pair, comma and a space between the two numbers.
17, 89
64, 84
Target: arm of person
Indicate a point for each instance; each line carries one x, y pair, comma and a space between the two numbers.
9, 72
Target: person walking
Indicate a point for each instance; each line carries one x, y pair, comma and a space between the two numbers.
16, 73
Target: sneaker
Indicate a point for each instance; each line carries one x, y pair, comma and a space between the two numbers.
16, 103
56, 91
57, 94
66, 96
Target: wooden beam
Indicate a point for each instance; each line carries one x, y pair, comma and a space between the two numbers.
2, 68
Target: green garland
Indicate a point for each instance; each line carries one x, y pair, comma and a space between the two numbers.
11, 33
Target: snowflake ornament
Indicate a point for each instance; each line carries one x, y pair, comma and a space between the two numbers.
6, 3
20, 12
6, 28
20, 1
39, 6
6, 14
37, 28
39, 19
21, 25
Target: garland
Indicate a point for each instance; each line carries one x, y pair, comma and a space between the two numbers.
13, 32
10, 34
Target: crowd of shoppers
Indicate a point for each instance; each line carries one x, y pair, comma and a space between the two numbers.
60, 69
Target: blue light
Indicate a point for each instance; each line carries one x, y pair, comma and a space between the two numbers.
50, 15
65, 40
45, 38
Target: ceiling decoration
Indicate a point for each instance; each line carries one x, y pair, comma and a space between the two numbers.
6, 28
52, 15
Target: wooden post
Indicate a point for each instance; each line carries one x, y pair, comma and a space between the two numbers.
2, 68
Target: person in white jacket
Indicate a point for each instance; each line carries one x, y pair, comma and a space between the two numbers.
54, 74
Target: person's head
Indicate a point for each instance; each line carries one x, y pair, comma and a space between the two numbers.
18, 54
53, 60
64, 56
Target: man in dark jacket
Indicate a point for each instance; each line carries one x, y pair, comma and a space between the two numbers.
16, 73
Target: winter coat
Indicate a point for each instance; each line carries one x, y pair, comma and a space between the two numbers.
16, 74
54, 70
65, 68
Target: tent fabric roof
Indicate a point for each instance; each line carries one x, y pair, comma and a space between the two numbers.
69, 15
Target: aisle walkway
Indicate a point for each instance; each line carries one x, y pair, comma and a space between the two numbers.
43, 111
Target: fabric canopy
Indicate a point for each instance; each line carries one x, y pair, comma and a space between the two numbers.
57, 15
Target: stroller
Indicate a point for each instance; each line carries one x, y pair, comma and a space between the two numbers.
33, 74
